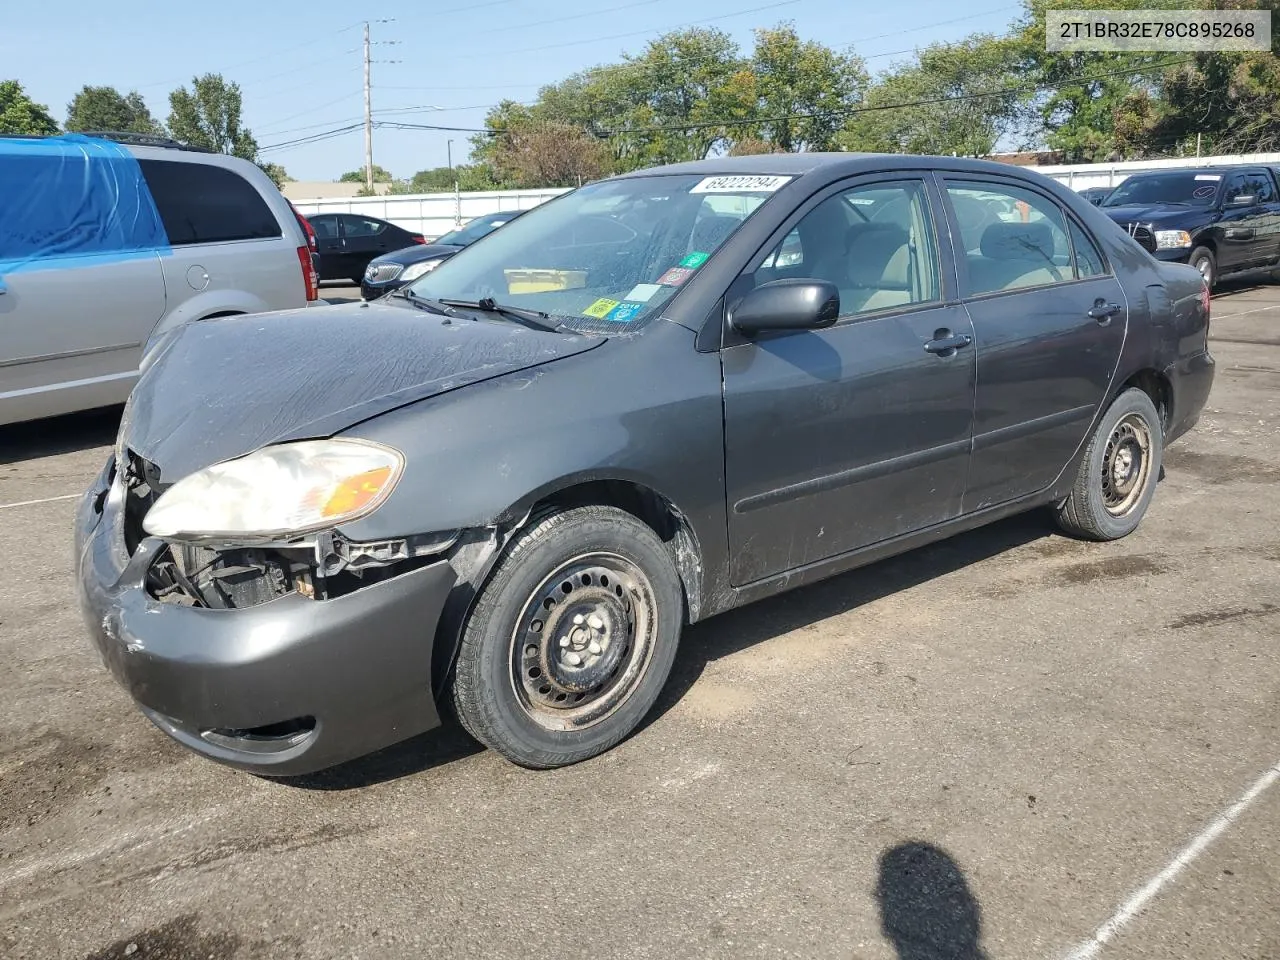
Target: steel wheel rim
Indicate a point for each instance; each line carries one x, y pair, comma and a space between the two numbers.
583, 641
1126, 465
1206, 270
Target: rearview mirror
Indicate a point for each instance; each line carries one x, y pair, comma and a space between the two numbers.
791, 304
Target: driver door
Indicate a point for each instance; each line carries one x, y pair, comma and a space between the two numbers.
839, 438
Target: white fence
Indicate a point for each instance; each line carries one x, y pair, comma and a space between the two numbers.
433, 214
1081, 175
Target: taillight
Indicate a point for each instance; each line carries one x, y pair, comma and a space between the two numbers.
306, 227
418, 238
309, 278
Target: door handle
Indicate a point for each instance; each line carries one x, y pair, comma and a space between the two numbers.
945, 343
1103, 311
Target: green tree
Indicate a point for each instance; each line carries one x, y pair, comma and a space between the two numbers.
956, 98
1081, 94
20, 114
357, 176
279, 176
804, 87
209, 116
536, 154
105, 108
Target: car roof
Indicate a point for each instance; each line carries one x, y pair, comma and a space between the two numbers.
1220, 168
830, 166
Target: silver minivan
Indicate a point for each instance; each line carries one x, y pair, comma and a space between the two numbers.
106, 243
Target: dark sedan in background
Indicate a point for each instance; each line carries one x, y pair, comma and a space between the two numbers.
393, 270
348, 241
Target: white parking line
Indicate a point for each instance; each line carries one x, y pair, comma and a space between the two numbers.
1138, 901
29, 503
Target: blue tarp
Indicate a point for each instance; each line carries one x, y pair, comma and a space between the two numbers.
73, 199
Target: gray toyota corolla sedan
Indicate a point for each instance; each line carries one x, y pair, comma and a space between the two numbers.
507, 488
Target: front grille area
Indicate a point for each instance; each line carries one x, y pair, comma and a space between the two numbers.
382, 272
1143, 235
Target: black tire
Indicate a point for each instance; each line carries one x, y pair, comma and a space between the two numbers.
592, 583
1129, 440
1202, 259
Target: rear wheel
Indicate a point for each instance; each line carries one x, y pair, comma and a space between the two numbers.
1202, 259
571, 639
1118, 475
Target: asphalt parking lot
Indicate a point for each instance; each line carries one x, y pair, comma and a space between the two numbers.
1010, 745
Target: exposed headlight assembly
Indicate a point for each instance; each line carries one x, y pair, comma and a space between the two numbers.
278, 491
414, 271
1172, 239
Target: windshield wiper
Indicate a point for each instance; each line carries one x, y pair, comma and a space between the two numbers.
435, 306
530, 318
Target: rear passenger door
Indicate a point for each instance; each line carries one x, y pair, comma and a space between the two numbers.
363, 239
1049, 319
224, 239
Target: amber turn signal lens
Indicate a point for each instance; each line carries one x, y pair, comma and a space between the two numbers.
356, 492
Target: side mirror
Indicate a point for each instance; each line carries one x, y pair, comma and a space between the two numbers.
792, 304
1241, 200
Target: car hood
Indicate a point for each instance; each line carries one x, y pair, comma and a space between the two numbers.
1179, 217
218, 389
417, 253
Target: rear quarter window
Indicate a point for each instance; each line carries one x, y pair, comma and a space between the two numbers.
200, 203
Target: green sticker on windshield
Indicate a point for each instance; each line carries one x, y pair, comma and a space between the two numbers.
694, 260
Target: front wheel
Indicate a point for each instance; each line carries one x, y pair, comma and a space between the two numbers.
1202, 259
571, 640
1118, 474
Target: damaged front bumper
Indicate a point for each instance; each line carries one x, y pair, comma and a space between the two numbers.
288, 686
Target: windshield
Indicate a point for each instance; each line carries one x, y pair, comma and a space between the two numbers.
473, 231
1196, 189
606, 255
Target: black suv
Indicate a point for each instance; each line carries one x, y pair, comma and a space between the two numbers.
1221, 220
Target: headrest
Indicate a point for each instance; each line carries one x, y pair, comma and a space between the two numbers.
711, 231
877, 254
1018, 241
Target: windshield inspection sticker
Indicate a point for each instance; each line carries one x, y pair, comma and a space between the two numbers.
1208, 176
675, 276
624, 312
644, 292
694, 260
739, 184
600, 308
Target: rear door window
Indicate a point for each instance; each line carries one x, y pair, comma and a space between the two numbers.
1012, 237
1089, 261
362, 226
201, 203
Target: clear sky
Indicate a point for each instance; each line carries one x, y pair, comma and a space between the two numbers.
299, 64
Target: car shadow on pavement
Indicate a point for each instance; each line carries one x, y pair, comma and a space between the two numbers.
56, 435
746, 626
927, 910
435, 748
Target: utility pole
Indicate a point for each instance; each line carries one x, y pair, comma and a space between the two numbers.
1197, 146
448, 147
368, 117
